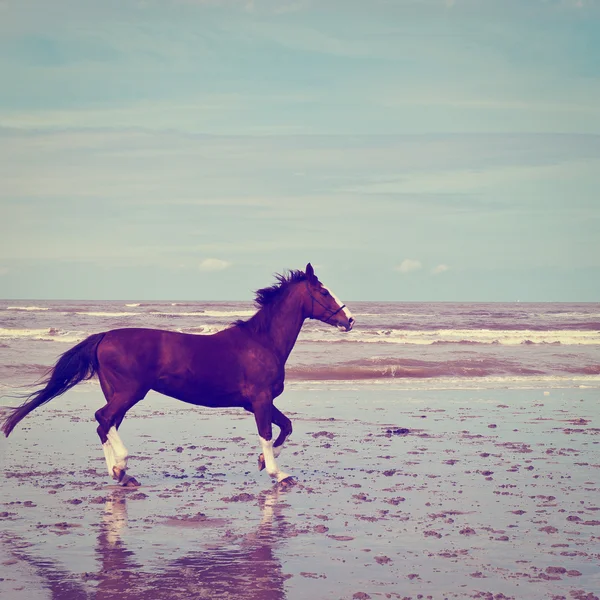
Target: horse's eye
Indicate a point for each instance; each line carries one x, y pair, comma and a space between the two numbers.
324, 293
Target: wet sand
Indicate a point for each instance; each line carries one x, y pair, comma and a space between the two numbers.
400, 494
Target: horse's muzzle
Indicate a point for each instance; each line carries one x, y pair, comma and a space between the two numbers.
348, 326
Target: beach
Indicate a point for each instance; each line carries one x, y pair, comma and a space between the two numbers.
472, 493
439, 450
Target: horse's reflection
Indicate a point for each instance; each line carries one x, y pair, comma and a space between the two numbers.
245, 569
248, 570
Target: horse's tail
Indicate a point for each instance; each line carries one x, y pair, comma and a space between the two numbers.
75, 365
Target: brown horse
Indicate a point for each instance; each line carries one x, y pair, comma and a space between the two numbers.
242, 366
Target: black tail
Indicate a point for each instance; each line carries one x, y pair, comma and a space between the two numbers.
75, 365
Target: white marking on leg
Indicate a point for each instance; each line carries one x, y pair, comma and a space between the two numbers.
109, 455
270, 464
120, 452
345, 311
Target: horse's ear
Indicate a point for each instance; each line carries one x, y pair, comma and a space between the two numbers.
310, 273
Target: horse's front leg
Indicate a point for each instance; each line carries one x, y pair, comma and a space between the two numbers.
285, 430
263, 410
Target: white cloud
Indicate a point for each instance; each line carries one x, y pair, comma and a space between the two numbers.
213, 264
440, 269
408, 265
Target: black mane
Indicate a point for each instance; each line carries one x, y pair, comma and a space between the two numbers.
266, 297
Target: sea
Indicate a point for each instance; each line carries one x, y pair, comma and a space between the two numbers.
393, 344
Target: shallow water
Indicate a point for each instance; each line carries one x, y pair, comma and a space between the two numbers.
489, 491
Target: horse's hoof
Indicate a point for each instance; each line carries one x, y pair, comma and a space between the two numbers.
130, 481
261, 462
118, 474
286, 483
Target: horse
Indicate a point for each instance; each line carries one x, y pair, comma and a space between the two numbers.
241, 366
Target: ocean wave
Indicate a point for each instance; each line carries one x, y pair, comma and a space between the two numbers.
387, 315
28, 308
6, 333
217, 314
68, 336
384, 368
546, 382
327, 335
224, 314
459, 336
229, 313
183, 303
392, 370
567, 315
202, 329
586, 370
93, 313
48, 334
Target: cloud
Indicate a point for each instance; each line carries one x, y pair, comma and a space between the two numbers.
3, 270
213, 264
408, 265
440, 269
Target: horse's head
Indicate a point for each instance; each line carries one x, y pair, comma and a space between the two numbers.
322, 304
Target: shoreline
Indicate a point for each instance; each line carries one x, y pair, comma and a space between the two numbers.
401, 384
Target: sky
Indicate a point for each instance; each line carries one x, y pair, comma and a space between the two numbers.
411, 150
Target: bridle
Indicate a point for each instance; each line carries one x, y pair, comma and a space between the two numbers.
312, 307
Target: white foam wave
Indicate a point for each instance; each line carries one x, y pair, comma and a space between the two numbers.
202, 330
6, 333
228, 314
568, 315
48, 334
458, 336
134, 304
107, 314
389, 315
454, 383
27, 308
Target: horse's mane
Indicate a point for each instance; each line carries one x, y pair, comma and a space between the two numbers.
267, 297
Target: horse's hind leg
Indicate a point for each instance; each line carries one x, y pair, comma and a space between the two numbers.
109, 419
114, 449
